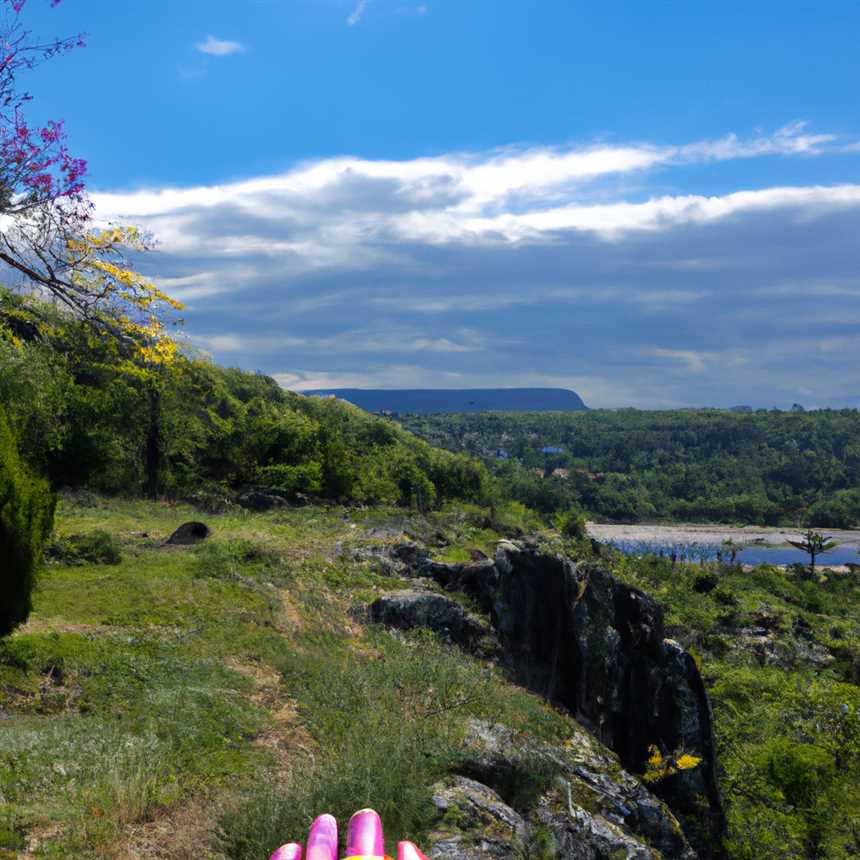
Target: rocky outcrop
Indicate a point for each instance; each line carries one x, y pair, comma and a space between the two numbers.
261, 500
412, 608
474, 823
517, 797
596, 646
576, 791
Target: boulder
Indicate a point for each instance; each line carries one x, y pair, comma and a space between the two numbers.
409, 553
189, 533
400, 559
260, 501
477, 579
410, 609
474, 823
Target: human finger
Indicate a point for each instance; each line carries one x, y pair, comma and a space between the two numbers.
290, 851
409, 851
364, 836
322, 840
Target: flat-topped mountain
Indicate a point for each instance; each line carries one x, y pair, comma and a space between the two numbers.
434, 400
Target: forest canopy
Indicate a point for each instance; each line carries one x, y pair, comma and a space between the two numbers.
87, 416
765, 467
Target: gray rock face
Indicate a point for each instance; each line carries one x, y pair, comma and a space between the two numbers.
474, 823
569, 811
409, 609
577, 789
595, 645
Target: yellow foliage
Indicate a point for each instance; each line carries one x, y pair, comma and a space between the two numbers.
687, 761
659, 766
120, 296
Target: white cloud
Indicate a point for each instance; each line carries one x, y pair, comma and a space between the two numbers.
340, 206
696, 361
538, 263
219, 47
357, 13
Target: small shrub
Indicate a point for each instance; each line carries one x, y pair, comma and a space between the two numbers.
572, 524
212, 497
26, 519
705, 583
97, 547
514, 518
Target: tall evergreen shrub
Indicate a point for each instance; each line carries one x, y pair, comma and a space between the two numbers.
26, 518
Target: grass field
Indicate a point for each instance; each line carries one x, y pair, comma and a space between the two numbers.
193, 701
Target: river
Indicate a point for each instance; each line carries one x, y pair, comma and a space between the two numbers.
702, 542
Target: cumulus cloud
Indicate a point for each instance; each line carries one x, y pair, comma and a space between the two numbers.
518, 264
219, 47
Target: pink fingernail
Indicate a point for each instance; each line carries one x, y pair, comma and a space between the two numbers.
409, 851
364, 835
290, 851
322, 840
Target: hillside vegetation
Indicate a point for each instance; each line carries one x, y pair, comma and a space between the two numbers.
175, 702
88, 416
762, 468
170, 702
192, 701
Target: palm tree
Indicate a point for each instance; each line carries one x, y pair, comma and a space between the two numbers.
814, 544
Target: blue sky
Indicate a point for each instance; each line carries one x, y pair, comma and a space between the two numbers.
652, 203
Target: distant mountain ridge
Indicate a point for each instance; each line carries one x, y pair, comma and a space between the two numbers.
437, 400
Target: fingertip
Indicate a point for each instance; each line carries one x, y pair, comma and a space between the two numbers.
290, 851
364, 835
409, 851
322, 840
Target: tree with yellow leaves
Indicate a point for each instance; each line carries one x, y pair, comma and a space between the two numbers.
48, 235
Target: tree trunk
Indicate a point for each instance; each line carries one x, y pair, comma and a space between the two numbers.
153, 443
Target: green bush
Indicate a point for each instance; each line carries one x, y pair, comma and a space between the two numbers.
571, 524
97, 547
26, 519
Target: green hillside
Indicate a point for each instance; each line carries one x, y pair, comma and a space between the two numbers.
210, 700
713, 465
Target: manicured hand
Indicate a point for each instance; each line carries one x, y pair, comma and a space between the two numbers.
364, 841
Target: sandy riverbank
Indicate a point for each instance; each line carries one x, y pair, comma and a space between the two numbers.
712, 534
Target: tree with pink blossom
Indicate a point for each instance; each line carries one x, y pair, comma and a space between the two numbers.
48, 231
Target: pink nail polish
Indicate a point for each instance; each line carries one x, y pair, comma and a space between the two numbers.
290, 851
364, 836
409, 851
322, 840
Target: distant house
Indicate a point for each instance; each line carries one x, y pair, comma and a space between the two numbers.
538, 472
561, 473
549, 449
